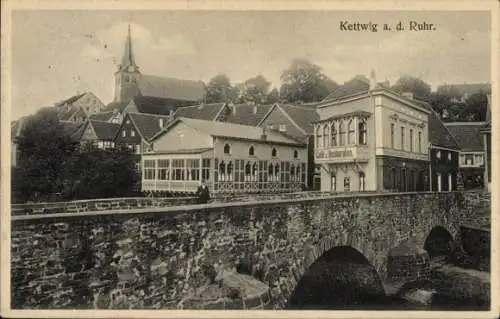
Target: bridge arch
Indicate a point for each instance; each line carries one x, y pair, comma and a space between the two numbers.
341, 278
439, 243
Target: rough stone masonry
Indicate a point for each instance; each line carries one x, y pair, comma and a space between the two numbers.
160, 258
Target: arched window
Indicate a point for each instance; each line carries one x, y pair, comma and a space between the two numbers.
326, 134
292, 173
274, 152
230, 171
362, 181
251, 151
319, 137
227, 149
277, 172
334, 134
222, 171
270, 172
350, 133
362, 132
341, 133
333, 182
254, 172
295, 154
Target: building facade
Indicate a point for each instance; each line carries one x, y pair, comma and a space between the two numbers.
230, 158
472, 159
372, 139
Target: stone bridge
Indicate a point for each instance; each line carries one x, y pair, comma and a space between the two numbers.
287, 253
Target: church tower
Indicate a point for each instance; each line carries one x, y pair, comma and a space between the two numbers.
127, 75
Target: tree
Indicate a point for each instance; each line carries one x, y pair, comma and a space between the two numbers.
113, 176
255, 90
273, 96
441, 103
303, 81
418, 87
45, 148
219, 90
477, 106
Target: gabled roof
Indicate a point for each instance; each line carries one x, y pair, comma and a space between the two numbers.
104, 130
154, 105
206, 112
147, 124
244, 114
468, 135
439, 135
171, 88
303, 116
71, 99
102, 116
232, 131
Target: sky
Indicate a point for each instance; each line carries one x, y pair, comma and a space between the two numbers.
56, 54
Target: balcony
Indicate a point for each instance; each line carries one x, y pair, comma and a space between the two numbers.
342, 154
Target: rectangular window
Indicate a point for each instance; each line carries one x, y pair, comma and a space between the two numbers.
132, 133
282, 127
138, 148
469, 159
402, 138
124, 133
478, 159
347, 184
392, 136
149, 169
193, 169
462, 159
205, 170
420, 142
178, 169
411, 140
163, 169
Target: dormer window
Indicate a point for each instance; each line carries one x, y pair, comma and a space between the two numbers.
251, 151
282, 128
274, 153
227, 149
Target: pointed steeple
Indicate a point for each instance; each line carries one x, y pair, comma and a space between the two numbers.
128, 60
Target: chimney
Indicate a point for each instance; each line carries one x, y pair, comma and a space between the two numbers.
263, 136
255, 109
171, 115
373, 80
161, 123
201, 106
408, 95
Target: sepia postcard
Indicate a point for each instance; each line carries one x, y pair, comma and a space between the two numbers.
249, 159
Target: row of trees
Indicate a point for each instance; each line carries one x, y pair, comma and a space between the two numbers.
305, 82
52, 162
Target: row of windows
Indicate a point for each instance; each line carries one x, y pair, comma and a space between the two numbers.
124, 133
239, 171
406, 145
335, 135
251, 151
347, 183
471, 159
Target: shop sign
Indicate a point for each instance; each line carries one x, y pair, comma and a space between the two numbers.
333, 154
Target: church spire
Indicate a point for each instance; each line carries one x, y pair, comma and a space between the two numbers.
128, 60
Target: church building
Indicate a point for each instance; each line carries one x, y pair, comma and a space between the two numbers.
131, 83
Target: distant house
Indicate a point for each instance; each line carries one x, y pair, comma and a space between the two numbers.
79, 107
295, 121
99, 133
472, 157
131, 84
232, 158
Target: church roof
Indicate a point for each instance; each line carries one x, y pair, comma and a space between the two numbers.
154, 105
468, 135
201, 111
171, 88
119, 106
233, 131
71, 99
128, 59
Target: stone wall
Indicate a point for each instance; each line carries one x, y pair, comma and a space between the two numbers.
93, 205
159, 258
